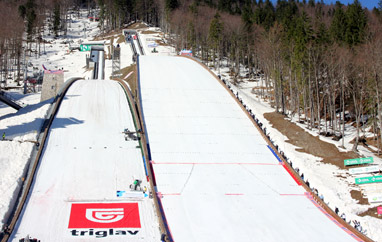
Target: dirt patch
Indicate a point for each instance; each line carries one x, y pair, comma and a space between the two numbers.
373, 212
160, 42
358, 195
121, 39
137, 26
132, 79
307, 142
149, 32
374, 141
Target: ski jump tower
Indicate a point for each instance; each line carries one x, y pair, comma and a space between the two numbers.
52, 83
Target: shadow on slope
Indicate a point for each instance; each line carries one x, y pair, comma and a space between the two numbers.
27, 109
35, 126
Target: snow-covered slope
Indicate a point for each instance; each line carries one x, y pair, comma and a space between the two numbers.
86, 161
218, 178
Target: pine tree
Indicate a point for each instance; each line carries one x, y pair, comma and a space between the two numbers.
338, 25
226, 5
215, 32
356, 22
246, 16
265, 15
56, 18
31, 18
171, 5
215, 35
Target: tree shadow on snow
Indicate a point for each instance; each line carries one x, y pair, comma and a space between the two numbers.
27, 109
36, 125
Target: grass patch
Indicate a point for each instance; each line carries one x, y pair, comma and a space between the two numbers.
132, 79
137, 26
121, 39
149, 32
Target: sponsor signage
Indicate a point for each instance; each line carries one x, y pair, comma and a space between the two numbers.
152, 45
104, 215
379, 209
358, 161
131, 194
365, 169
370, 179
186, 52
375, 198
104, 219
87, 46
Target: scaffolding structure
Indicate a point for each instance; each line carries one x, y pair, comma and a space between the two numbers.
116, 62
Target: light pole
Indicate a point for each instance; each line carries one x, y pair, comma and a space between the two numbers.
25, 72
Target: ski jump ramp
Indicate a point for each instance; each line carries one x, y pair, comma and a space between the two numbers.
217, 177
85, 161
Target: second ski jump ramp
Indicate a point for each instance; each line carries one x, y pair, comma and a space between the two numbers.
218, 179
85, 161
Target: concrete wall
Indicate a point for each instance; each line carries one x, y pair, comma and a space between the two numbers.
51, 84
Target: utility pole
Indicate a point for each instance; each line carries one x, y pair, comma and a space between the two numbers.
25, 73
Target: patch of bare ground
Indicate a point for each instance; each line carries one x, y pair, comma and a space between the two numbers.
371, 141
372, 212
137, 26
357, 195
149, 32
160, 42
313, 145
307, 142
121, 39
132, 79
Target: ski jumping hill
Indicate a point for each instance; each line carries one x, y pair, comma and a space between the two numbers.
85, 161
217, 177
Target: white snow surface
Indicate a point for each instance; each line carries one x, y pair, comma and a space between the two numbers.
218, 178
86, 160
23, 126
21, 130
333, 183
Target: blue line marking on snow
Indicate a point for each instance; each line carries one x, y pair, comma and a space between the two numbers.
274, 153
144, 163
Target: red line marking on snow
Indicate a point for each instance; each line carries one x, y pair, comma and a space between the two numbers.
310, 197
292, 175
234, 194
131, 72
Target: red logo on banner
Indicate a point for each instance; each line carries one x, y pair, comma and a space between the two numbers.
104, 215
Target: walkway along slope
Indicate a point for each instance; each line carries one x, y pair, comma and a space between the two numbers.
145, 154
218, 177
85, 162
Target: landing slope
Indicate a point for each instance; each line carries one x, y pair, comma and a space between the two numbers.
85, 162
218, 178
